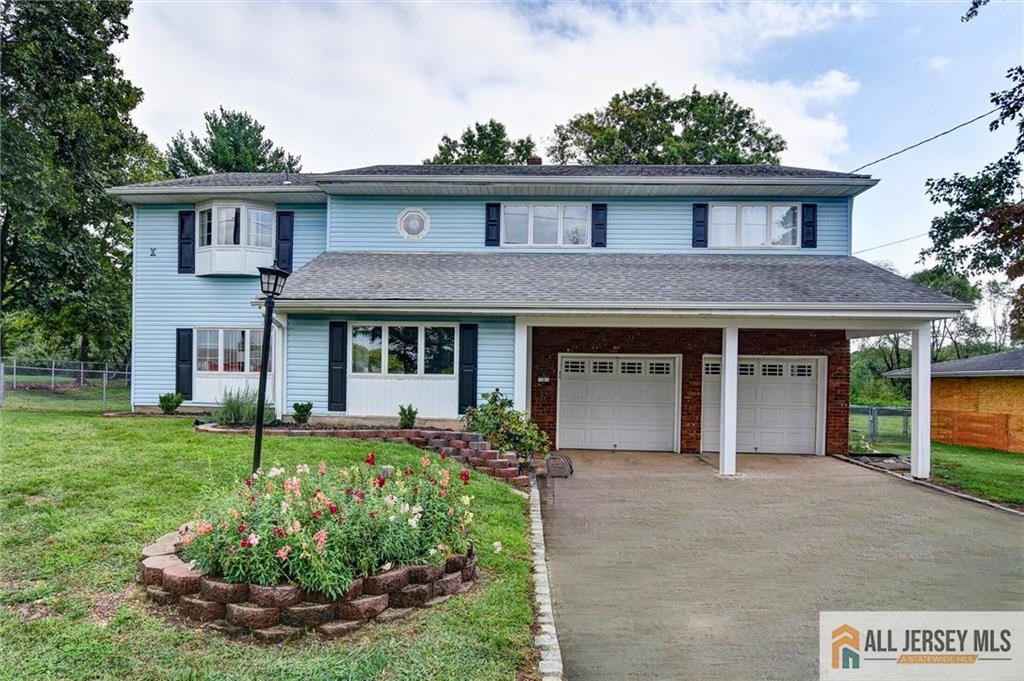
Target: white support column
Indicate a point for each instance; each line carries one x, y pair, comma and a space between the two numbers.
280, 363
730, 385
521, 381
921, 401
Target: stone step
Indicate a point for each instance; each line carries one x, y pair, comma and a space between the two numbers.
339, 628
199, 609
479, 444
487, 454
506, 472
511, 457
277, 633
521, 480
483, 469
477, 461
159, 596
498, 463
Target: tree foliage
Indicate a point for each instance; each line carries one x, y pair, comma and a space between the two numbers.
982, 230
648, 126
66, 135
483, 144
233, 143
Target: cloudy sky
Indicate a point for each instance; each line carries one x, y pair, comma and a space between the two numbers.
354, 84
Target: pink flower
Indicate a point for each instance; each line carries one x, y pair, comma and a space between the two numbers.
295, 526
283, 553
424, 461
320, 538
292, 486
204, 528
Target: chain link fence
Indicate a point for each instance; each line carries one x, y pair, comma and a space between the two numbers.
59, 385
880, 427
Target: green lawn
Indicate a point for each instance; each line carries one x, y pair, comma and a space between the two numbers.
986, 473
79, 497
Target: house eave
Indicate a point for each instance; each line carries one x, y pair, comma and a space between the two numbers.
731, 310
274, 193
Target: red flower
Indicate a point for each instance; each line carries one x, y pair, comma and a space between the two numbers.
248, 482
431, 479
279, 532
379, 481
333, 508
349, 491
371, 460
464, 474
373, 514
241, 529
317, 513
409, 471
252, 500
443, 456
360, 495
341, 518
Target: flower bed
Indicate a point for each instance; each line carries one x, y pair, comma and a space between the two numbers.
286, 552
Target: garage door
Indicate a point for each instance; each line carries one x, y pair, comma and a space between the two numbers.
777, 410
627, 402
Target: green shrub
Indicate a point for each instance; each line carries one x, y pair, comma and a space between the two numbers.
322, 529
238, 408
507, 429
169, 402
407, 416
301, 411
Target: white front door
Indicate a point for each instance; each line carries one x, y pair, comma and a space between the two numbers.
777, 410
627, 402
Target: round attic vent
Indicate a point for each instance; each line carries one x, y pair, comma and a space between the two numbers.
413, 224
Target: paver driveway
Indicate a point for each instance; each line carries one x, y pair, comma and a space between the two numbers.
662, 570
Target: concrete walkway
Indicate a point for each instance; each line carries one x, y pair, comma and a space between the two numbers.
662, 570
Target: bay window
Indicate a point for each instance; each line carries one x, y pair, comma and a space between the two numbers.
733, 225
402, 349
234, 237
545, 225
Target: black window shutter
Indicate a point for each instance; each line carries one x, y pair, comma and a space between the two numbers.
467, 366
599, 225
238, 226
285, 231
809, 226
337, 366
187, 242
183, 363
492, 225
700, 225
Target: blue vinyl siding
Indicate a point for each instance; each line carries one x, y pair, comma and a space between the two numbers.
164, 300
634, 225
306, 379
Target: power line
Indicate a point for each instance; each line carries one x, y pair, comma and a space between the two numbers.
891, 243
926, 141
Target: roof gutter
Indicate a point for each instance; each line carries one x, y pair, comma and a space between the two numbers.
127, 192
599, 179
959, 374
891, 310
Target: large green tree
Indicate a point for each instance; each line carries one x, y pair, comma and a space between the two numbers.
982, 230
647, 125
65, 135
234, 142
483, 144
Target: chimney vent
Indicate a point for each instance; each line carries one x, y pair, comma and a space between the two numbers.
534, 161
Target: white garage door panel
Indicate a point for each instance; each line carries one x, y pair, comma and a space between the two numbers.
777, 410
617, 402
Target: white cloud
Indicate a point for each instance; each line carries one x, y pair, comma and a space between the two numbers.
938, 63
353, 84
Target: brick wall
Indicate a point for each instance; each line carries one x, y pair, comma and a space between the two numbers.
692, 344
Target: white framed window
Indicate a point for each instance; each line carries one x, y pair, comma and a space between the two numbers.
602, 366
771, 369
233, 351
754, 225
632, 367
746, 369
413, 224
712, 368
402, 349
574, 366
801, 370
235, 225
546, 225
659, 368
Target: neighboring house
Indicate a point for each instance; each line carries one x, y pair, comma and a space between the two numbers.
676, 308
978, 401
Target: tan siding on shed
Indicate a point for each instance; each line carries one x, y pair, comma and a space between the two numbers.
979, 412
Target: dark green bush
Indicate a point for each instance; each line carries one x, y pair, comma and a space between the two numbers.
407, 416
301, 411
505, 428
169, 402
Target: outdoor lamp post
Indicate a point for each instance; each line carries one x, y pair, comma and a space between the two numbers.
272, 282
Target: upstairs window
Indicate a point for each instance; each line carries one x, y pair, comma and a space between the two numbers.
548, 225
749, 225
205, 227
244, 225
260, 228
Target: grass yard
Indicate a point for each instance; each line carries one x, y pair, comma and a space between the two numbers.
986, 473
79, 497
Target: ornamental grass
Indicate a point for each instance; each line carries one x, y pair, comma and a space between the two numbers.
322, 528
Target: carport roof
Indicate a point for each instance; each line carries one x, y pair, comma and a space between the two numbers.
605, 280
1000, 364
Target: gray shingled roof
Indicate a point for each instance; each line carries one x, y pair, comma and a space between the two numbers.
753, 171
311, 179
622, 280
1000, 364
